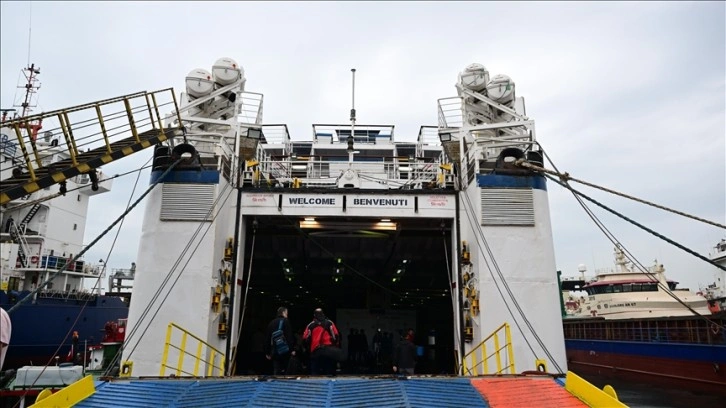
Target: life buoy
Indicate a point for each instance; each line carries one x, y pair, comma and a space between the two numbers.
34, 259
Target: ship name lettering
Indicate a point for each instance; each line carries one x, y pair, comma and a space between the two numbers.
381, 202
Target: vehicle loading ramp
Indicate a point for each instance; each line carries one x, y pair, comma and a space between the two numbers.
387, 391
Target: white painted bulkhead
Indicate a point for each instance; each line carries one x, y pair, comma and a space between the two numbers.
194, 251
525, 257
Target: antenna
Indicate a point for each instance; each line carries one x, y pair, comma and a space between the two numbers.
352, 122
30, 25
31, 87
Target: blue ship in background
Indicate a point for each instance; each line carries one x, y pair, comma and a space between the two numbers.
43, 329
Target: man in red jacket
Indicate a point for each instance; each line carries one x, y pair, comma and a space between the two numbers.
321, 333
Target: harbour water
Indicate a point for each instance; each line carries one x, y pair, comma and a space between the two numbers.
643, 395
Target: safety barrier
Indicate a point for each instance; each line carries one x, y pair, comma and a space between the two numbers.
478, 358
85, 136
212, 358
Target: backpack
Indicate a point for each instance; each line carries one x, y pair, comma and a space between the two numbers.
279, 344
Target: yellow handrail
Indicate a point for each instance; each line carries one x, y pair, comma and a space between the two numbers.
472, 368
89, 139
214, 361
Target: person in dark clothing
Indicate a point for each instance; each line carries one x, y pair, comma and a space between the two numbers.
404, 355
321, 333
352, 347
280, 361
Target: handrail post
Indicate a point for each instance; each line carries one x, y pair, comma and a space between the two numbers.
25, 152
70, 141
103, 128
148, 106
199, 357
176, 107
130, 115
165, 354
156, 109
497, 352
510, 347
210, 367
182, 347
485, 356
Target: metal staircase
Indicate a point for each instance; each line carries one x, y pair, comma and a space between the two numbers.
88, 138
18, 236
29, 216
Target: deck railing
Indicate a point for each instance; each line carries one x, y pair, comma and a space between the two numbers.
204, 353
685, 330
476, 362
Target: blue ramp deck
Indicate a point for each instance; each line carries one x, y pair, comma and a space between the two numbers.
248, 392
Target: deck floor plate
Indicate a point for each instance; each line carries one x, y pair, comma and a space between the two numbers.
322, 392
525, 392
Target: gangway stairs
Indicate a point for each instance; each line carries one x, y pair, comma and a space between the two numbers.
85, 138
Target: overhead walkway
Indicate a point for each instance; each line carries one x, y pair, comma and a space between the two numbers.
84, 137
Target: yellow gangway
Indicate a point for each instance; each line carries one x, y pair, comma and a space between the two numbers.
89, 135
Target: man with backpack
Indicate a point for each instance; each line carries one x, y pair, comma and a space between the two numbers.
280, 344
324, 338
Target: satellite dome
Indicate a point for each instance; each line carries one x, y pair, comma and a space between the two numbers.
474, 77
199, 83
226, 71
501, 89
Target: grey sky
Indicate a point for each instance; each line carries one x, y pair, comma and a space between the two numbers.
627, 95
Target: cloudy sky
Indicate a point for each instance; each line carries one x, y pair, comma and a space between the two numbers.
627, 95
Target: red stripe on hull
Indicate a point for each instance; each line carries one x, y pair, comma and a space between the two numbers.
688, 375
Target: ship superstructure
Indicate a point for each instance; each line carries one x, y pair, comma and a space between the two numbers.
447, 234
382, 233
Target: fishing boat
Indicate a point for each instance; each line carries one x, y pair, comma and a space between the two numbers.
48, 290
715, 292
626, 293
639, 326
241, 218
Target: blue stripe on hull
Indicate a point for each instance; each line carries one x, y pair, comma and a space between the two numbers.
508, 181
187, 176
691, 352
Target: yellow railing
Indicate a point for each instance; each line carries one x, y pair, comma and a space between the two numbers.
204, 353
88, 126
476, 362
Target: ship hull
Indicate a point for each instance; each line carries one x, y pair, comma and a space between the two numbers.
694, 367
44, 329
